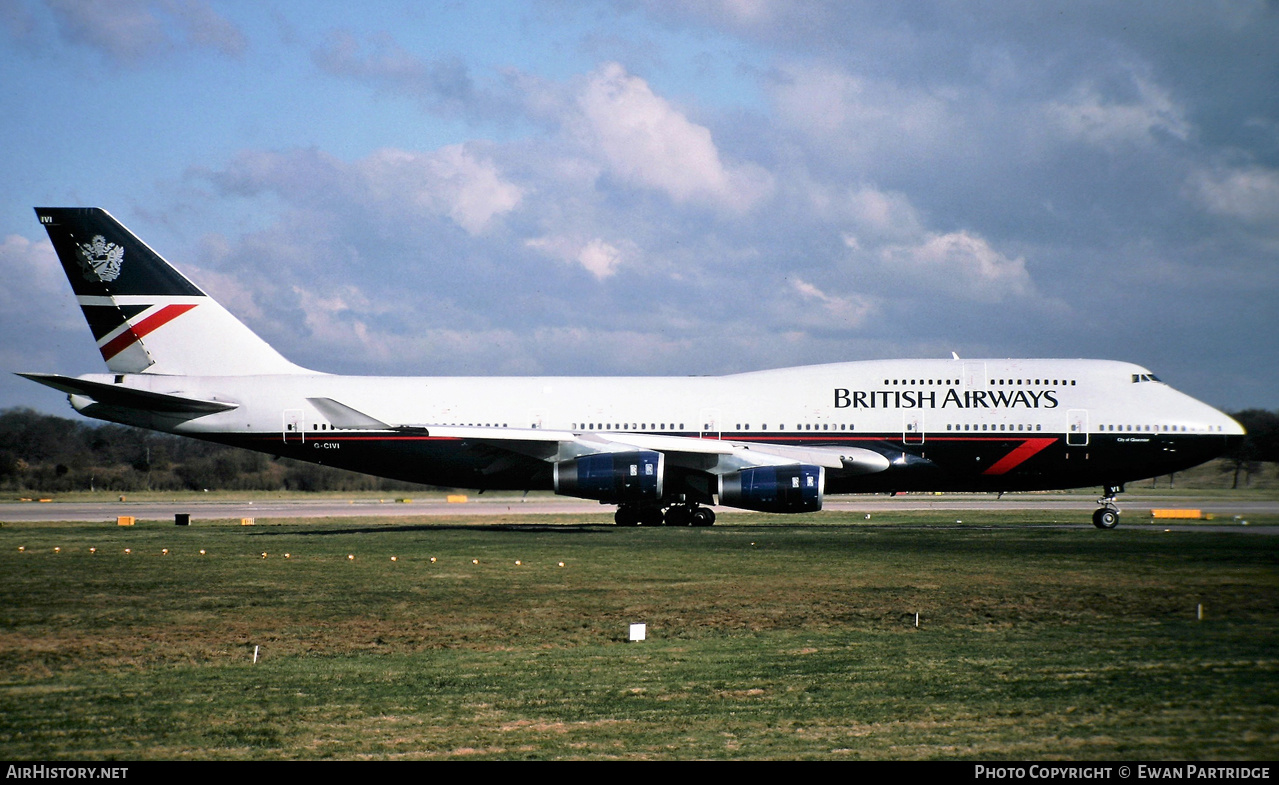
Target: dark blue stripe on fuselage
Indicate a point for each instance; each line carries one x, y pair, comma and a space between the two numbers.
940, 463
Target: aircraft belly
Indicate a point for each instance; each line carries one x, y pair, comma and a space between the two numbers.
988, 464
1135, 457
939, 464
431, 461
1039, 462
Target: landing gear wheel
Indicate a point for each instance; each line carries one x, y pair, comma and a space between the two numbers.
703, 516
678, 515
626, 516
1106, 518
651, 516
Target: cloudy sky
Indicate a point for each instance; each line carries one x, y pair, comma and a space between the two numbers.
662, 187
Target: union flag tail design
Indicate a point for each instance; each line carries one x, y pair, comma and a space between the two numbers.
145, 315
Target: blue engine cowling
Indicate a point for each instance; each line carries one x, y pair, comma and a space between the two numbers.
774, 488
612, 477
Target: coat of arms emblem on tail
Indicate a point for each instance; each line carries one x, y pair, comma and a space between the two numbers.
100, 260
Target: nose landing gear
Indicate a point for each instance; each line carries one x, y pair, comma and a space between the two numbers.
1108, 516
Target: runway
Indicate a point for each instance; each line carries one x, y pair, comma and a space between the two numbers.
295, 508
1136, 508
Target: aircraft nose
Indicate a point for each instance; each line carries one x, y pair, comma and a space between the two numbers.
1232, 427
1234, 434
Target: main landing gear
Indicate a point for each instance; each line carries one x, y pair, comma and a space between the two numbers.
675, 515
1108, 516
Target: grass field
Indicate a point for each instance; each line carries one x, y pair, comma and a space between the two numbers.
768, 637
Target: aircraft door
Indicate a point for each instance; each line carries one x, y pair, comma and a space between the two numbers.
1077, 427
294, 427
710, 427
913, 428
975, 376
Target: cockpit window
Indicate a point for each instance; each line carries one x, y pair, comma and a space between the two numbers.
1144, 377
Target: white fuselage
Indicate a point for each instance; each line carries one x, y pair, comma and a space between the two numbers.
928, 397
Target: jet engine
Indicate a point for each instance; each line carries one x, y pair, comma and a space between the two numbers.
796, 488
612, 477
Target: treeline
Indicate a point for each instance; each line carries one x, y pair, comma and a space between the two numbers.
1259, 448
41, 452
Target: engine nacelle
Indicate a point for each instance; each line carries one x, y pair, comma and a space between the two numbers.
612, 477
774, 488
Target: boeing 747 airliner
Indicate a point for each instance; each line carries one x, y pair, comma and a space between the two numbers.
658, 448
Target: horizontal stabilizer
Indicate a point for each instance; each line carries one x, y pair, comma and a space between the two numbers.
130, 397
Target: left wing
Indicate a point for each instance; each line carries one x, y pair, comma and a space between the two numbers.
713, 456
633, 468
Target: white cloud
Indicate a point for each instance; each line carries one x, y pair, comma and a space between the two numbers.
231, 290
832, 311
1247, 194
598, 257
863, 117
43, 326
451, 181
960, 264
873, 214
334, 319
34, 281
647, 142
1088, 116
894, 255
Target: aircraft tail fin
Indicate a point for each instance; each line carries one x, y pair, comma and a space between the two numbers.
145, 315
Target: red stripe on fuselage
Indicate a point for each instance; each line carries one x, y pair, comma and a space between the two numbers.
135, 332
1022, 453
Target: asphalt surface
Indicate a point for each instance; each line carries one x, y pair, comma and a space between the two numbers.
1136, 509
